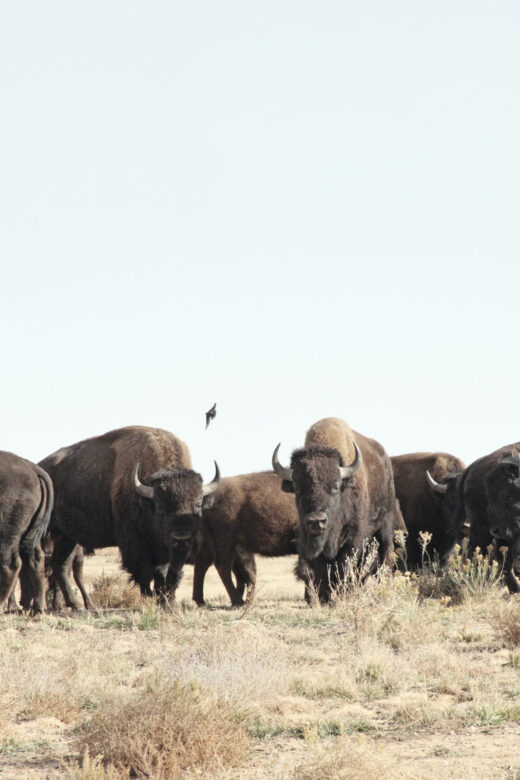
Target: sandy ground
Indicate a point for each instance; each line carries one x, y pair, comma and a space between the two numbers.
467, 753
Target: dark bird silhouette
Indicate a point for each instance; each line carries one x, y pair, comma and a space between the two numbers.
211, 414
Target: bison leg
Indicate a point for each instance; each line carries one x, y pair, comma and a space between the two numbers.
244, 569
140, 567
317, 577
144, 577
203, 561
166, 582
224, 570
26, 592
385, 537
63, 553
173, 578
303, 573
12, 606
34, 564
10, 564
159, 581
77, 571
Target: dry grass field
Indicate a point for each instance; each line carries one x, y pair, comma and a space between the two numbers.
397, 679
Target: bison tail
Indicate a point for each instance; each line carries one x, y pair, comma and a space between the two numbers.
40, 521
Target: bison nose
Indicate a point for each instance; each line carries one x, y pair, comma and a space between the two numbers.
316, 523
495, 530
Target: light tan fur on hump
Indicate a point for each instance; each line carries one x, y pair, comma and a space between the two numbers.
333, 432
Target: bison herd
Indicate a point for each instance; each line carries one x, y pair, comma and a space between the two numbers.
135, 488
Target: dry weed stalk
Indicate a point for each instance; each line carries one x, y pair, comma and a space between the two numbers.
463, 578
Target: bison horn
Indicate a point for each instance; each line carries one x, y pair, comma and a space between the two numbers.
210, 488
348, 471
282, 472
143, 490
435, 485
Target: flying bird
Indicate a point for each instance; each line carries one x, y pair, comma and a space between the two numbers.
211, 414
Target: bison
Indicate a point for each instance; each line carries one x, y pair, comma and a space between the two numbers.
26, 501
487, 496
340, 506
421, 482
250, 514
132, 487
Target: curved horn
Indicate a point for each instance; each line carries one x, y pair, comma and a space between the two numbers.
348, 471
143, 490
210, 488
435, 485
282, 472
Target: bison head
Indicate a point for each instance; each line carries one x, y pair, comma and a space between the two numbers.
502, 485
318, 477
452, 500
178, 497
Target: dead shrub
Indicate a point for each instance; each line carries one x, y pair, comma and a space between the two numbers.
165, 730
115, 592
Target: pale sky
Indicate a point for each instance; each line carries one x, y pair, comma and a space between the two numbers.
294, 209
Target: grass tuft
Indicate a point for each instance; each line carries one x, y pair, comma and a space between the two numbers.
111, 591
507, 623
351, 758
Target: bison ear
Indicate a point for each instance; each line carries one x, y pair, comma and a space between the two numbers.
287, 486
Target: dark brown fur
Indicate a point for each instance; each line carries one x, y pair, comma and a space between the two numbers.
26, 500
54, 597
423, 509
356, 509
489, 498
97, 506
252, 515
